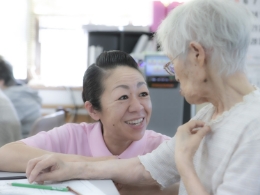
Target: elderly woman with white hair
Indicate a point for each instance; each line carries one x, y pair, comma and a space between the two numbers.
217, 151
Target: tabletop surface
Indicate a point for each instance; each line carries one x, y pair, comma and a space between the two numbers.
106, 186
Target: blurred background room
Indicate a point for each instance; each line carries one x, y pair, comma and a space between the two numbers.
50, 44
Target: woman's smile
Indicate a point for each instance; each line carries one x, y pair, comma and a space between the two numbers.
135, 122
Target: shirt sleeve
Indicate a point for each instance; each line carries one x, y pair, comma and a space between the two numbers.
242, 175
53, 140
161, 165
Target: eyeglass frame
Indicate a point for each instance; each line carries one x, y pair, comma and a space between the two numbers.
166, 67
171, 72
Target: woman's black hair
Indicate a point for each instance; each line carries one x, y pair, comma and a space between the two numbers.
93, 78
6, 73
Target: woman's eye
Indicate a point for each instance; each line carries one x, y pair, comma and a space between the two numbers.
143, 94
124, 97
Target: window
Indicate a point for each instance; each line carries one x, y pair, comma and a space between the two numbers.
62, 40
14, 39
63, 56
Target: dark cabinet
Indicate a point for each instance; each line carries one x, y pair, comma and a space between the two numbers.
115, 40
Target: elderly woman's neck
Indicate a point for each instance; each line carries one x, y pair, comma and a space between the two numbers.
229, 91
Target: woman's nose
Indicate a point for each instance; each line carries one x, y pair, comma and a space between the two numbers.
135, 105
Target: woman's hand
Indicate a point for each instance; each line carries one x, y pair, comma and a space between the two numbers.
48, 168
188, 138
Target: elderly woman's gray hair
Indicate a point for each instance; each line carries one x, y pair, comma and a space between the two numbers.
221, 28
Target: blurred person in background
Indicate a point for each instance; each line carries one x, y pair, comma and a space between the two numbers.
26, 101
10, 128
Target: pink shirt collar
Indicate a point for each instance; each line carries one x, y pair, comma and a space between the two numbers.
98, 147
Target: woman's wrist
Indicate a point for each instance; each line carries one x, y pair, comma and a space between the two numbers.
185, 166
88, 170
79, 170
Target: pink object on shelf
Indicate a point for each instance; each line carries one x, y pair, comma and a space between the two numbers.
160, 11
171, 6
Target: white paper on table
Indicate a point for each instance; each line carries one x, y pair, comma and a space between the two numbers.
84, 187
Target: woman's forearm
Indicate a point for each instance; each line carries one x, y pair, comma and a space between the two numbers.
191, 181
125, 171
130, 174
187, 140
15, 156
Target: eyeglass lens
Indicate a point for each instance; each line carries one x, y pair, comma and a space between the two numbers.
170, 68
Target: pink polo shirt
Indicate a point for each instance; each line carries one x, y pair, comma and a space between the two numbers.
87, 140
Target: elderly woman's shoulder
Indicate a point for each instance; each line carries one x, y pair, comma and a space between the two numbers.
252, 132
252, 102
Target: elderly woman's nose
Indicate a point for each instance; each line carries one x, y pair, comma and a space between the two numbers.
135, 105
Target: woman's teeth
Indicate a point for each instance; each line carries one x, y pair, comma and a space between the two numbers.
135, 122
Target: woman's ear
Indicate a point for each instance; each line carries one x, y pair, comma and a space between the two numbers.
198, 52
91, 111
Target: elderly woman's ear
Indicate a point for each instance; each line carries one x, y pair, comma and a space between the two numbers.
198, 53
91, 111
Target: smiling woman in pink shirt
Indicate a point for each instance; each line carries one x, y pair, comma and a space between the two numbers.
116, 95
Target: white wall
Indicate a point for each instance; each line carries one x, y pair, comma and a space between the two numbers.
60, 97
14, 37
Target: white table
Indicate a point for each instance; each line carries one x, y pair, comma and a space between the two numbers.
106, 186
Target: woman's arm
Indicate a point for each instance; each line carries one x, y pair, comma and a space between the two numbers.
15, 156
129, 174
52, 168
188, 138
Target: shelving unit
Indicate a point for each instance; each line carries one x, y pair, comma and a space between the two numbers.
115, 40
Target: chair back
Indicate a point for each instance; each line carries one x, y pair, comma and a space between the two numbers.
48, 122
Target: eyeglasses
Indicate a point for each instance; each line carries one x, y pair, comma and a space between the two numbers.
169, 68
